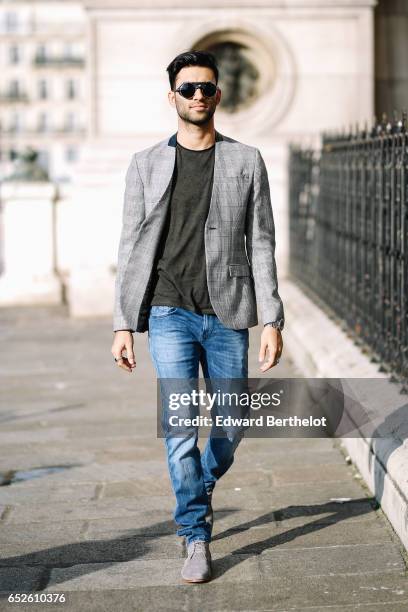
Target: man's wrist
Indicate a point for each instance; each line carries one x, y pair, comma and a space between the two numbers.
278, 324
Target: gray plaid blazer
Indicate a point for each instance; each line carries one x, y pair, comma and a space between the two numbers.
239, 236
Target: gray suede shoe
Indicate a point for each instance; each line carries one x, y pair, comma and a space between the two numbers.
197, 566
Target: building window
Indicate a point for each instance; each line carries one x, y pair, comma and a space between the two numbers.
240, 74
71, 154
42, 89
14, 88
14, 54
43, 122
71, 89
11, 22
68, 50
70, 122
43, 159
16, 122
41, 53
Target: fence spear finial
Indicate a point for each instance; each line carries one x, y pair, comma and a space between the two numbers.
384, 121
404, 120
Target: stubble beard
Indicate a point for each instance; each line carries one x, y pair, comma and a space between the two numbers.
187, 115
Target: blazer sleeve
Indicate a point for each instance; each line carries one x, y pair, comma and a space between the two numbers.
133, 213
260, 244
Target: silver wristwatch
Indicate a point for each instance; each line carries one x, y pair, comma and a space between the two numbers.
279, 324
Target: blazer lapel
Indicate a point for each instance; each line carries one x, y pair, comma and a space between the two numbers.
220, 171
162, 173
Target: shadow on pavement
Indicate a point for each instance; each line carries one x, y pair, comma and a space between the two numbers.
136, 546
355, 507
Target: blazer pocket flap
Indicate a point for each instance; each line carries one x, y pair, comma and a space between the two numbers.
239, 269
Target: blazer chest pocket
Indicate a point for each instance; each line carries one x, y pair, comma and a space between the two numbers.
239, 269
244, 176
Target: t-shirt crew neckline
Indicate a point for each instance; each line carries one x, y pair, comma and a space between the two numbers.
195, 150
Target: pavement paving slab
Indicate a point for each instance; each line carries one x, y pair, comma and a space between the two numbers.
86, 503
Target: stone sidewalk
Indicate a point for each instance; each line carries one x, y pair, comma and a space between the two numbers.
85, 506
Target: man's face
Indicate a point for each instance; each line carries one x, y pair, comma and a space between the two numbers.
198, 109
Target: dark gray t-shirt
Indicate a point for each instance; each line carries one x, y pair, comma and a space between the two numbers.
180, 275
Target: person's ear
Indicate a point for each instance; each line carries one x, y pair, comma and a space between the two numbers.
218, 96
171, 97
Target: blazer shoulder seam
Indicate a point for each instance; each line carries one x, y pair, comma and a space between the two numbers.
137, 167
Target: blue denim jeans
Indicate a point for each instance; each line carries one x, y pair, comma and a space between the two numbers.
179, 340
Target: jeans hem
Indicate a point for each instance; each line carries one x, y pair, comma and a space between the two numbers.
197, 538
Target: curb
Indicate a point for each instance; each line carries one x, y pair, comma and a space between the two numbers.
320, 349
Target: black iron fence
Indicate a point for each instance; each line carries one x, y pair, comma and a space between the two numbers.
349, 235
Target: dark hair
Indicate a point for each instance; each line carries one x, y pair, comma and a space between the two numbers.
191, 58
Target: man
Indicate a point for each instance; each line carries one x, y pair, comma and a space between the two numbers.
196, 259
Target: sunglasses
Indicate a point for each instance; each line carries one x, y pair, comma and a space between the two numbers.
187, 89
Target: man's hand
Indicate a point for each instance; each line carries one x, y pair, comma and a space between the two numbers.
271, 341
124, 341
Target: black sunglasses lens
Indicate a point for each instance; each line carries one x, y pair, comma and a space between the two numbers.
209, 89
187, 90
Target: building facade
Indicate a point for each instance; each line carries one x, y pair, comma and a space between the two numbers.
43, 83
89, 83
